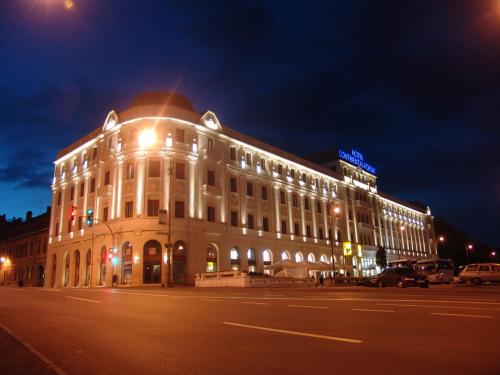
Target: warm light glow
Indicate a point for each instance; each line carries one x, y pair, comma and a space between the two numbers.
2, 259
168, 141
441, 239
402, 227
147, 138
195, 146
336, 210
470, 247
136, 259
68, 4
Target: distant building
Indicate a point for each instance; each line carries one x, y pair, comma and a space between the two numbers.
235, 203
23, 250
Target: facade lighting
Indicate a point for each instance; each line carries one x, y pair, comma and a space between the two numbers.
147, 138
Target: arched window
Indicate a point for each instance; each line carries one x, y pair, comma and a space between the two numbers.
323, 258
54, 269
311, 257
285, 255
102, 267
299, 257
66, 270
179, 265
127, 263
152, 262
76, 278
267, 259
252, 261
88, 263
235, 258
212, 252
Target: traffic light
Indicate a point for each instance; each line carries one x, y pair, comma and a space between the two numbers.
73, 212
90, 217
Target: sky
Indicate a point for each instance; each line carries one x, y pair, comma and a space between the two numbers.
414, 85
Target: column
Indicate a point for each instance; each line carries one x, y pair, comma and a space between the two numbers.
277, 207
117, 202
140, 180
192, 188
314, 212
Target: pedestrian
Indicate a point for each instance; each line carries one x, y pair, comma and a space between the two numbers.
115, 281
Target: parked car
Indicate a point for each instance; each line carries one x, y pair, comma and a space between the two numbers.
478, 273
401, 277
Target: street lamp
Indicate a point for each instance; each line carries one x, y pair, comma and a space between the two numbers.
492, 255
468, 248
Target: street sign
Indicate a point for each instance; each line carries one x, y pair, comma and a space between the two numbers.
162, 216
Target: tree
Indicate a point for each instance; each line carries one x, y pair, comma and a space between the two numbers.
381, 257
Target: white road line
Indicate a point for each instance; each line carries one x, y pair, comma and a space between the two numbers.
439, 307
211, 300
296, 333
84, 299
308, 307
255, 303
142, 294
464, 315
387, 311
50, 290
42, 357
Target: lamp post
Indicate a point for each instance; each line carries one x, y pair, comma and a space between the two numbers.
468, 248
333, 214
439, 239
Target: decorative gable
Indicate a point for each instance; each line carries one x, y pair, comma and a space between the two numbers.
210, 121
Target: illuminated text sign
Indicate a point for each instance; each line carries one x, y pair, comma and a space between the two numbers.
356, 158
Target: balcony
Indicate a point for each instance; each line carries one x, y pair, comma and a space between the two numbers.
363, 225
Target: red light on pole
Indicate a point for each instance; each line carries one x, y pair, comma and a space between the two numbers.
73, 212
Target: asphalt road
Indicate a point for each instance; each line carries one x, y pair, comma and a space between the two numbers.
440, 330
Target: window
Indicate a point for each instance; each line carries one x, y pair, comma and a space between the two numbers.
249, 159
80, 220
107, 177
210, 213
296, 229
292, 173
295, 200
211, 178
72, 193
264, 193
105, 214
70, 223
232, 153
56, 232
321, 234
130, 171
180, 171
94, 153
280, 169
233, 184
82, 189
179, 209
210, 144
249, 189
250, 222
59, 198
129, 209
92, 185
154, 168
282, 197
484, 268
179, 135
234, 218
283, 227
306, 203
153, 207
263, 164
318, 207
265, 224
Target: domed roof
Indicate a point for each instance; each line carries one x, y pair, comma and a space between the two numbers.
170, 99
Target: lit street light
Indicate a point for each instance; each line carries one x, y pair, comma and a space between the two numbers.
492, 256
468, 248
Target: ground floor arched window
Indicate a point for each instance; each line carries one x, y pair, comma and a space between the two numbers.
76, 278
299, 258
179, 266
212, 258
267, 259
252, 260
88, 263
127, 263
152, 262
234, 254
66, 270
285, 255
311, 257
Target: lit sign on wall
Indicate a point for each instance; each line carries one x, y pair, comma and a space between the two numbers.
347, 247
356, 158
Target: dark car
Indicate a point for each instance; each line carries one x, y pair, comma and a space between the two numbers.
401, 277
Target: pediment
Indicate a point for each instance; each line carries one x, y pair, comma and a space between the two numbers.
210, 120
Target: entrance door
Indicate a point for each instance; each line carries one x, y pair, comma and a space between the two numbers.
179, 257
41, 275
152, 262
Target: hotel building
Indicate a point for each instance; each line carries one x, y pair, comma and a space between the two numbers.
173, 193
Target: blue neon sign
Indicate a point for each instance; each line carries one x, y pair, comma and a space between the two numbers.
356, 158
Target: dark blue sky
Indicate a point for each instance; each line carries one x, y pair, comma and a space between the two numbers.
415, 85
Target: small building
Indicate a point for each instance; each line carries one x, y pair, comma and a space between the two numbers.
23, 250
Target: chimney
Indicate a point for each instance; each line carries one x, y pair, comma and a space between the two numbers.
29, 216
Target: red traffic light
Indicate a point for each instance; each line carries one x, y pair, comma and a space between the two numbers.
73, 212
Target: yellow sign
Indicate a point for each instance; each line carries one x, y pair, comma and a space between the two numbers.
347, 247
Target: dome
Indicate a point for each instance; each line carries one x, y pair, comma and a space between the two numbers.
170, 99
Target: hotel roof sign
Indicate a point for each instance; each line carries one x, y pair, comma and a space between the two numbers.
356, 158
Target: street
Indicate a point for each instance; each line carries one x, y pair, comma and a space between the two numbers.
348, 330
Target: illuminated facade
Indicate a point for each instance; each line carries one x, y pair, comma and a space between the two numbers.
232, 202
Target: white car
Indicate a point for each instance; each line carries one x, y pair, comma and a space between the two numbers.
478, 273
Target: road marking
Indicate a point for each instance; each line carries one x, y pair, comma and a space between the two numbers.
388, 311
50, 290
84, 299
296, 333
309, 307
255, 303
439, 307
211, 300
42, 357
464, 315
142, 294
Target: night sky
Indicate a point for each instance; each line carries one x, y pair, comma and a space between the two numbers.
414, 85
